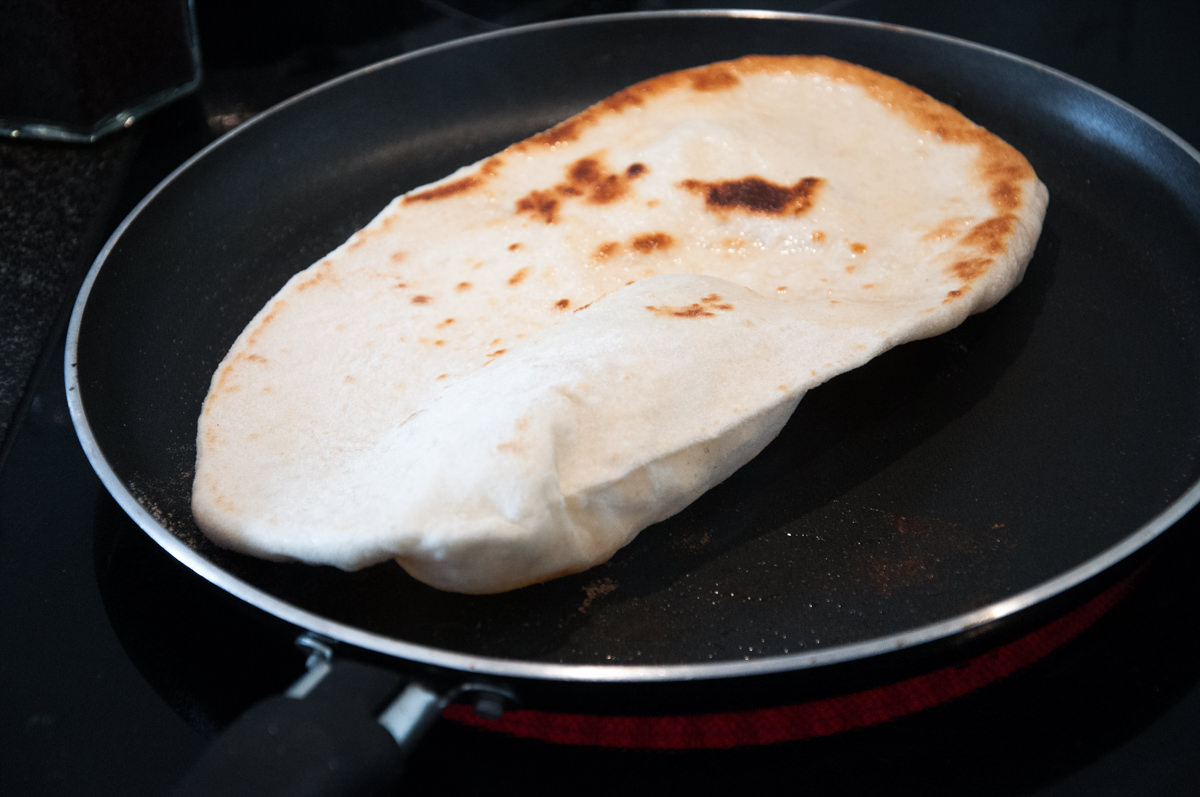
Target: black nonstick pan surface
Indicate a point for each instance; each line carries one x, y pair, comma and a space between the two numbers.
945, 487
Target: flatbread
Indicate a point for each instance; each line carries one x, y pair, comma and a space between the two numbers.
509, 373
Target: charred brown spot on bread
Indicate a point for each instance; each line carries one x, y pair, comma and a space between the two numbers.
651, 241
562, 304
607, 189
445, 322
947, 228
589, 177
954, 294
817, 236
267, 320
1004, 169
605, 250
1005, 196
225, 378
586, 178
755, 194
496, 353
321, 272
399, 256
445, 190
991, 235
631, 97
704, 308
643, 243
1000, 168
708, 78
694, 310
462, 286
539, 203
421, 298
714, 300
713, 78
514, 246
519, 276
858, 248
717, 301
561, 133
971, 268
584, 170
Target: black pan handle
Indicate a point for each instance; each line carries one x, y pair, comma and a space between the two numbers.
345, 728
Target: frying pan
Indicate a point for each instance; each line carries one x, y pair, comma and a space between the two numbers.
944, 493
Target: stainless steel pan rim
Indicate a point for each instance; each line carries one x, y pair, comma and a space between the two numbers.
822, 657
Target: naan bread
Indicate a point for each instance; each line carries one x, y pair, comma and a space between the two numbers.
510, 372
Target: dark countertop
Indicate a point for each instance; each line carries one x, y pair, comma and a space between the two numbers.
48, 229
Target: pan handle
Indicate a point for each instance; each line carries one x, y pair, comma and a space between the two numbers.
344, 728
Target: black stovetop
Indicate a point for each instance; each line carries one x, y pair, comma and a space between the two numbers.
120, 664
